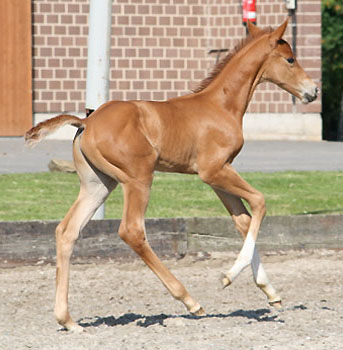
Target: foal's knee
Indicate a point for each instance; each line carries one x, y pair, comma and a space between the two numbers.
258, 204
134, 236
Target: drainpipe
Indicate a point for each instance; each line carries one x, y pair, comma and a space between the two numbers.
98, 65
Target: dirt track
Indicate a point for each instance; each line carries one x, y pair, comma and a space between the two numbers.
124, 306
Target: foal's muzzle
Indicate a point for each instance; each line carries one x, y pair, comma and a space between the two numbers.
309, 95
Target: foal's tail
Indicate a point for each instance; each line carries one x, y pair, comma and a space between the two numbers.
43, 129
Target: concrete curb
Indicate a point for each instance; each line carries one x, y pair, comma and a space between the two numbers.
169, 237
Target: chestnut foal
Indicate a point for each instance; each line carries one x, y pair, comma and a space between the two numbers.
200, 133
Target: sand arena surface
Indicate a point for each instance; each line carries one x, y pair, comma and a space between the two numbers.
123, 306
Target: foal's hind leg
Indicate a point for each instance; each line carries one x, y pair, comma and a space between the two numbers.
94, 189
132, 231
242, 219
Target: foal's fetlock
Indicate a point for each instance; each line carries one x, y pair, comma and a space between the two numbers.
67, 323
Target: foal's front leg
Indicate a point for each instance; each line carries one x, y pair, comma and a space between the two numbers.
226, 180
242, 219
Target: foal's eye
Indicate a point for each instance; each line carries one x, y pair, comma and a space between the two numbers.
290, 60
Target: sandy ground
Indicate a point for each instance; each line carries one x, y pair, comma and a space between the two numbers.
122, 305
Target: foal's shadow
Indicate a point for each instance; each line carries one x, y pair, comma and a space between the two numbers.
259, 315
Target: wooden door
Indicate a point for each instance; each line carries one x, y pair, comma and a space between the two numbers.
15, 67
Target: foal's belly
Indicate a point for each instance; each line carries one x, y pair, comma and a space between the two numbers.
170, 166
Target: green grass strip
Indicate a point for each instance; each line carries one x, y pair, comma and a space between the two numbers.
48, 196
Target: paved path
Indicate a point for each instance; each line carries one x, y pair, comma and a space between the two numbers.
269, 156
16, 158
266, 156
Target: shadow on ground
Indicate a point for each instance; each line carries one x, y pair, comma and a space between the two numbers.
259, 315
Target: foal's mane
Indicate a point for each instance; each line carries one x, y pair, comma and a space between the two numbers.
221, 64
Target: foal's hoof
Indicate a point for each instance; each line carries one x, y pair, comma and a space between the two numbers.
225, 281
199, 312
74, 328
277, 304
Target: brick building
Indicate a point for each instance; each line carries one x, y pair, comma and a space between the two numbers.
159, 49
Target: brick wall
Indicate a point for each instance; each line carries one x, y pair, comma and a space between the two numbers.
159, 49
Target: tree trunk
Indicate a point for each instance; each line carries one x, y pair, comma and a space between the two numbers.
340, 122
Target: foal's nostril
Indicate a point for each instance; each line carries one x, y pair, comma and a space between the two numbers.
316, 91
310, 97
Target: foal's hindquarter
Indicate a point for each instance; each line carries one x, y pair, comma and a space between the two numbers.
201, 133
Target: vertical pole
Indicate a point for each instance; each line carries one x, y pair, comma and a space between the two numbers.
98, 65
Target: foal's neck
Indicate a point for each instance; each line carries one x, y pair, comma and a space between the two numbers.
235, 85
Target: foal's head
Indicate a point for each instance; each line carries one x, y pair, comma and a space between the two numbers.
282, 68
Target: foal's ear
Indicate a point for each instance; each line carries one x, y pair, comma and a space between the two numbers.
253, 29
278, 33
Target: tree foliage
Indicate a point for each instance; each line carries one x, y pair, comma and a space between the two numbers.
332, 65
